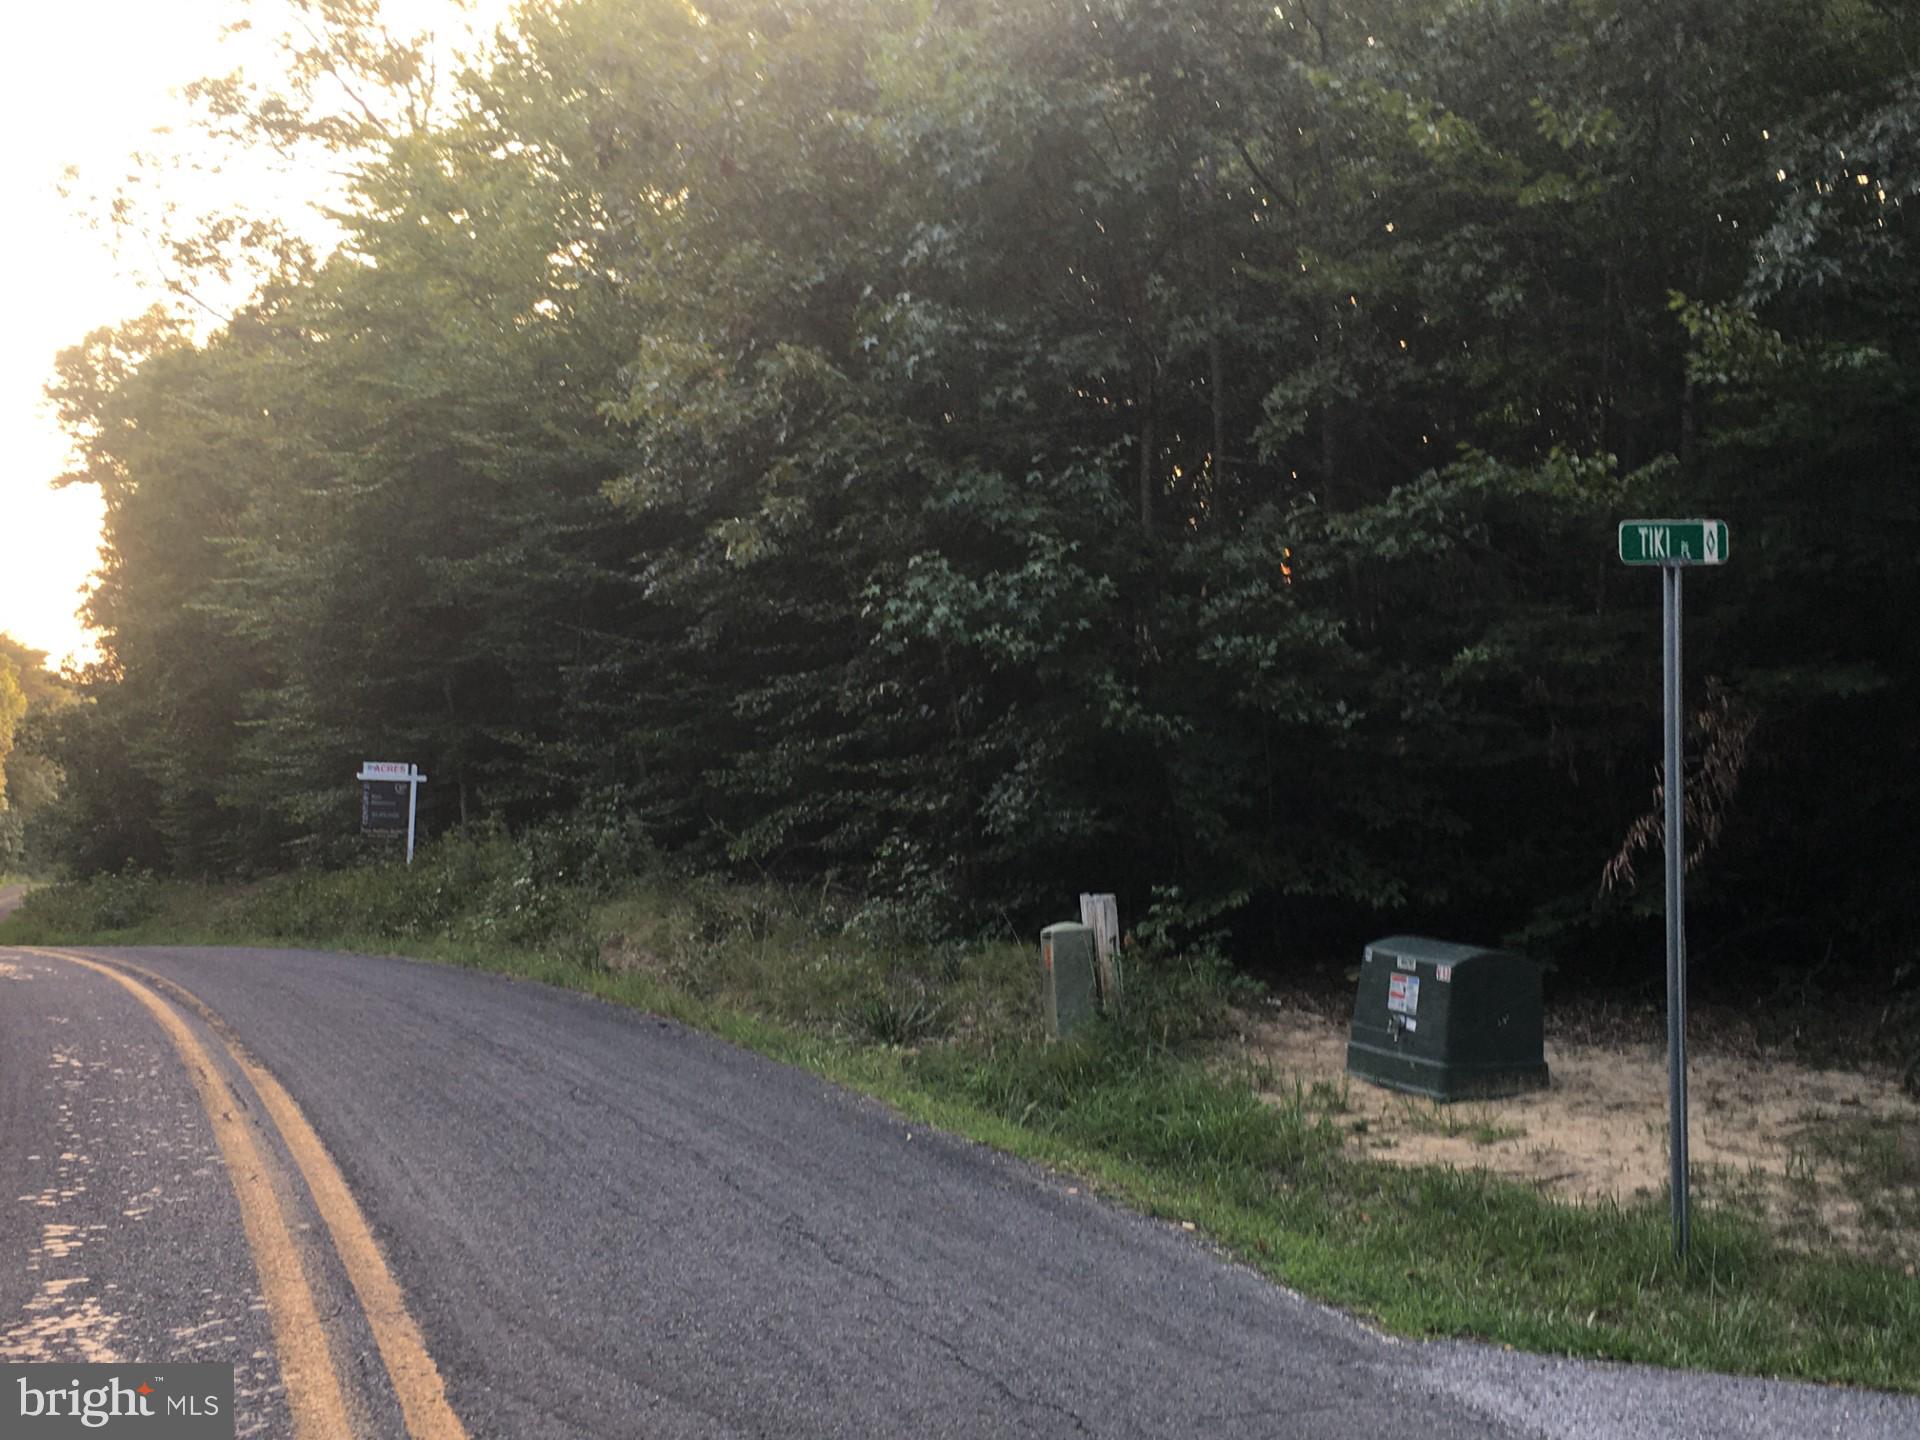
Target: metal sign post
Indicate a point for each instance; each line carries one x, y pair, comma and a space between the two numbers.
1674, 545
381, 782
1676, 912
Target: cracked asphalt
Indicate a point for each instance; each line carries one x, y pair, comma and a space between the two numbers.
608, 1225
120, 1238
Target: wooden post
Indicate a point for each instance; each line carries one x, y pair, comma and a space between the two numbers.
1101, 914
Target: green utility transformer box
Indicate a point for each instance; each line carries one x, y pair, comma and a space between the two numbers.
1066, 977
1450, 1021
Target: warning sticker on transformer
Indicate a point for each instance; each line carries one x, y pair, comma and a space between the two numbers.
1403, 994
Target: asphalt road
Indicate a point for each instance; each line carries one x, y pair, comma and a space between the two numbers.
604, 1225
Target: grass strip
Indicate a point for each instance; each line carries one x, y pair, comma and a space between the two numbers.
1130, 1108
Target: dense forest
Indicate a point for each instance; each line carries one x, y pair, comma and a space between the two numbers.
979, 450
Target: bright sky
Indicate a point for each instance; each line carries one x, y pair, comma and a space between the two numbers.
91, 81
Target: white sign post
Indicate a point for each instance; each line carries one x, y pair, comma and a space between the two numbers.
395, 773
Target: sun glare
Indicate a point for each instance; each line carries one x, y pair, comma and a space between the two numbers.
102, 81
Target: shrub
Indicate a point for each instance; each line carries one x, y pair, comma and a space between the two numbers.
108, 901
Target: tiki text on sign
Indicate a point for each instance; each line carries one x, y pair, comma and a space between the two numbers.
1673, 542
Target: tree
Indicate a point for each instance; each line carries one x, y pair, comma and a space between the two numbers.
13, 705
964, 451
31, 697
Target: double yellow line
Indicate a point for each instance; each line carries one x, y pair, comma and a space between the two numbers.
316, 1393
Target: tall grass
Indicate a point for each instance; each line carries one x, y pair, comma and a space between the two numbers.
950, 1034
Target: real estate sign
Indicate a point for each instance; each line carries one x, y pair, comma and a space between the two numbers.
390, 799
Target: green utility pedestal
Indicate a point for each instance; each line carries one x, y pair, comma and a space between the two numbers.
1448, 1021
1066, 977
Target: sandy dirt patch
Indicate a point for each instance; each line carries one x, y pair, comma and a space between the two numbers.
1824, 1155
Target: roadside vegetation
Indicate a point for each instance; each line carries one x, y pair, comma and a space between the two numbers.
963, 451
31, 697
810, 482
1141, 1106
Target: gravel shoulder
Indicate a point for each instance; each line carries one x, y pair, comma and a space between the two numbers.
1830, 1157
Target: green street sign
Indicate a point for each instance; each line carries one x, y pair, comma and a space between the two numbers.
1673, 542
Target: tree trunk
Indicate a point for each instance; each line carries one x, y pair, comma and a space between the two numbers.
1216, 363
1147, 442
1329, 453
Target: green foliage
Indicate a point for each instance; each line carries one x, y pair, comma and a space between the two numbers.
31, 780
1150, 1109
1138, 1110
950, 453
485, 890
104, 903
13, 705
901, 1015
